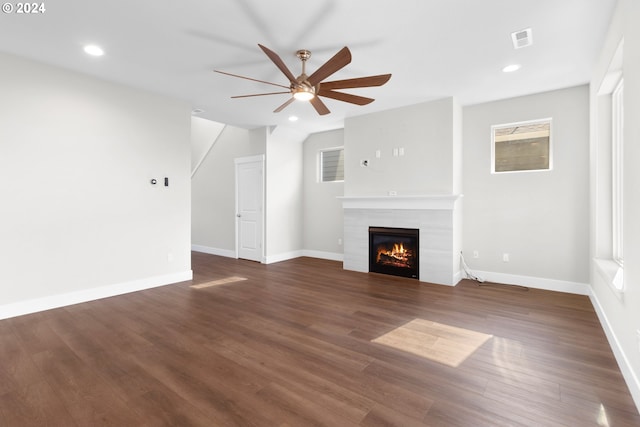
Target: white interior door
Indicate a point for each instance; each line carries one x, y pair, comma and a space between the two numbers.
250, 207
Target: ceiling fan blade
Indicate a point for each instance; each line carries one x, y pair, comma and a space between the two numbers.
260, 94
357, 82
279, 63
319, 106
280, 108
249, 78
346, 97
338, 61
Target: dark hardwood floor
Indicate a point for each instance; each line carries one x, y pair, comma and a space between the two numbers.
291, 346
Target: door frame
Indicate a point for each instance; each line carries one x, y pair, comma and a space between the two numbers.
238, 161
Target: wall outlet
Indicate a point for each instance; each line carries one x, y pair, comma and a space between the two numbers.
339, 241
395, 152
401, 151
378, 154
476, 254
505, 257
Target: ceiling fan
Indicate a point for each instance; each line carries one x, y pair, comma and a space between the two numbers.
310, 88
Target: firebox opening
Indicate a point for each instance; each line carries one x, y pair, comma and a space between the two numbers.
394, 251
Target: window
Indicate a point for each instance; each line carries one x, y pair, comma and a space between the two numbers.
523, 146
617, 126
609, 185
332, 165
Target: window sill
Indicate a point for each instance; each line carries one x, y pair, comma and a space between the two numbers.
612, 273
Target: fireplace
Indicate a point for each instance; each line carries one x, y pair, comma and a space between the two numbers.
394, 251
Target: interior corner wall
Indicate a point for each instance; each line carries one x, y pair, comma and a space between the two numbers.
79, 212
284, 211
323, 215
424, 166
213, 212
619, 312
540, 219
204, 133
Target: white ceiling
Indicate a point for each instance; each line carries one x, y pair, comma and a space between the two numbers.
433, 48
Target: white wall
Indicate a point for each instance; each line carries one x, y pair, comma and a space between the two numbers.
428, 140
213, 213
425, 131
323, 217
78, 211
619, 313
284, 214
539, 218
213, 192
204, 133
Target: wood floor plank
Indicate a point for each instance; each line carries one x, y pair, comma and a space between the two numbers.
292, 346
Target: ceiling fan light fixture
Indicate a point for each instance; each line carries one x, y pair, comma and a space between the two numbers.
304, 93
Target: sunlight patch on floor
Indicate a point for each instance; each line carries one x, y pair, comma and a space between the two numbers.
224, 281
603, 420
441, 343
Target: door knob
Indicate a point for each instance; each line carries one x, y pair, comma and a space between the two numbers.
238, 215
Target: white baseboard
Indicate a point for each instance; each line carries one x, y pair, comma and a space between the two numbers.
457, 277
332, 256
535, 282
270, 259
55, 301
229, 253
629, 375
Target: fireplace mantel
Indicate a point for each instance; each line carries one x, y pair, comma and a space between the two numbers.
425, 202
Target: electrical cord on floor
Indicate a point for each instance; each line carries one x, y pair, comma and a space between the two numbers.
467, 270
480, 280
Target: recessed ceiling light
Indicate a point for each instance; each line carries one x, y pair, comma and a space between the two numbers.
511, 68
93, 50
293, 118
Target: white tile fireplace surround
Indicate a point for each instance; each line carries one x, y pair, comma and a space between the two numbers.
438, 217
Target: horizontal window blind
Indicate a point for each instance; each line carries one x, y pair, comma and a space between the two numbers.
332, 165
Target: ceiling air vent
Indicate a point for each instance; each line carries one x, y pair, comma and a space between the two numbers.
522, 38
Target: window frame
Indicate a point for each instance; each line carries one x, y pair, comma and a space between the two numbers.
320, 175
494, 128
617, 169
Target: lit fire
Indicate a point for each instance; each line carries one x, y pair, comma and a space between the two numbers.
397, 254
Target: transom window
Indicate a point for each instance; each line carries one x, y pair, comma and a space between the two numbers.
523, 146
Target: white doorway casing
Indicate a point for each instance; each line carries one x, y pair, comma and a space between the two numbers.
250, 208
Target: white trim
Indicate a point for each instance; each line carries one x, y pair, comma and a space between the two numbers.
515, 124
623, 362
320, 165
229, 253
535, 282
332, 256
617, 169
612, 274
62, 300
270, 259
249, 159
427, 202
